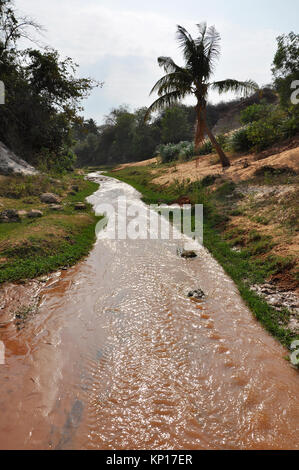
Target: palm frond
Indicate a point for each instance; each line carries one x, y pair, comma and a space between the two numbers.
165, 101
212, 41
180, 80
245, 88
187, 44
202, 27
168, 64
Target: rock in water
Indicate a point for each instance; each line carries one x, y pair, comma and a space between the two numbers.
72, 422
197, 294
186, 253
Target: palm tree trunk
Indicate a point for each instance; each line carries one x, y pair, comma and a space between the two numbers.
223, 158
202, 128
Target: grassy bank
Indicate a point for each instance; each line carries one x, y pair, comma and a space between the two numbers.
253, 264
31, 247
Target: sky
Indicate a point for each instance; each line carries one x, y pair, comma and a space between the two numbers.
118, 41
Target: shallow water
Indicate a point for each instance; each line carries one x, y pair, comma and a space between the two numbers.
119, 357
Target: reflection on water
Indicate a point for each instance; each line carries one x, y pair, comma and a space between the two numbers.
120, 358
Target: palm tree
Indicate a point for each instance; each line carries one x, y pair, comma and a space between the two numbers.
200, 55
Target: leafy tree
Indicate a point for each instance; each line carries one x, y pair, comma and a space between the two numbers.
200, 55
286, 66
175, 126
42, 94
255, 112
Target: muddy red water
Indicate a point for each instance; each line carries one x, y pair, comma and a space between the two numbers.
118, 357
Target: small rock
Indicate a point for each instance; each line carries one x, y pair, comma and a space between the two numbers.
56, 207
4, 219
197, 294
22, 213
10, 214
50, 198
80, 206
34, 214
187, 254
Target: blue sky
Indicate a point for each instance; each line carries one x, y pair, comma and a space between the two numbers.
118, 42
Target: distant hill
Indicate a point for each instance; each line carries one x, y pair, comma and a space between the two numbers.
230, 118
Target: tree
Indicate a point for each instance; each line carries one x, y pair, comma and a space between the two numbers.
286, 66
175, 125
42, 96
193, 78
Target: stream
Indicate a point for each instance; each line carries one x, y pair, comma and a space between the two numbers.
118, 356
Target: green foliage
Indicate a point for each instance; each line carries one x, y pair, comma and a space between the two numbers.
239, 141
255, 112
290, 125
286, 66
54, 241
271, 171
171, 152
208, 180
42, 95
266, 132
225, 189
175, 126
266, 125
206, 148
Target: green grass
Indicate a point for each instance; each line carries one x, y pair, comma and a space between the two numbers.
245, 268
34, 247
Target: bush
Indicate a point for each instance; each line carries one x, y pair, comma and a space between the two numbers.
206, 148
272, 171
187, 151
226, 189
255, 112
239, 141
266, 132
57, 163
208, 180
290, 125
266, 125
170, 152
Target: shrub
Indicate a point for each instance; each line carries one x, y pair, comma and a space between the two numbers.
290, 125
205, 148
226, 189
272, 171
255, 112
266, 125
187, 151
264, 133
170, 152
208, 180
239, 141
